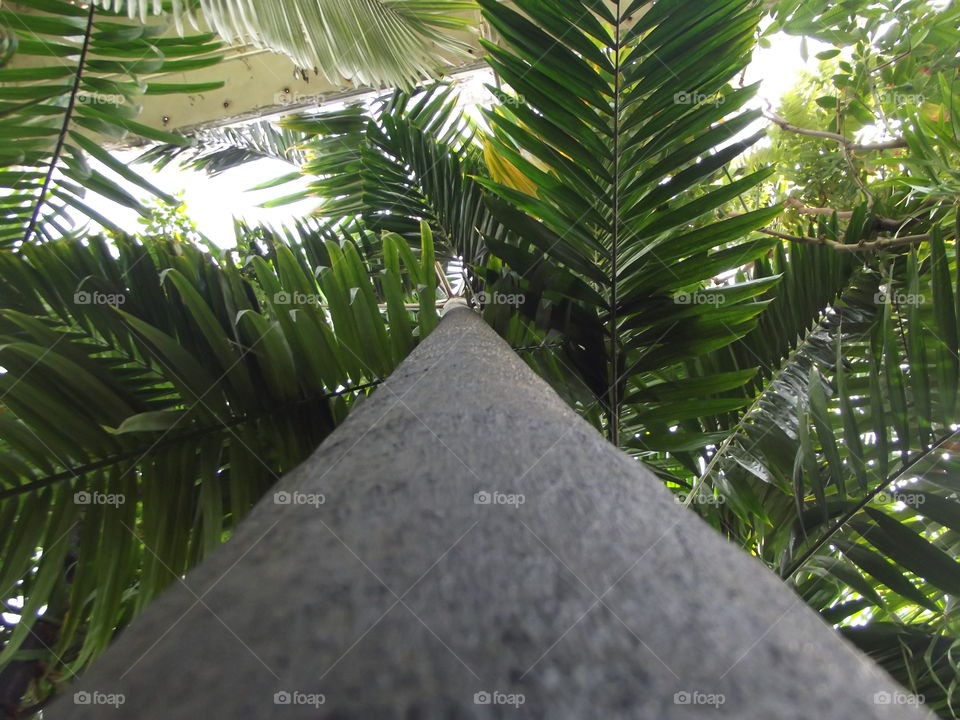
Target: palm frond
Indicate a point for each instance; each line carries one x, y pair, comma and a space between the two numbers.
61, 113
411, 156
372, 42
842, 473
625, 158
217, 150
154, 391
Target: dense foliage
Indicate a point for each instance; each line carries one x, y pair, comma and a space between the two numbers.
766, 313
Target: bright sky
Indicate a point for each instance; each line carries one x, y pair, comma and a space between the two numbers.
214, 202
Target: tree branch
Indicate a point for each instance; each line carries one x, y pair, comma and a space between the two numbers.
892, 60
846, 142
874, 245
880, 223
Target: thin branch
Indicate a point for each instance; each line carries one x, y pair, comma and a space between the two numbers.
444, 281
892, 60
879, 103
880, 223
863, 246
846, 142
68, 116
855, 174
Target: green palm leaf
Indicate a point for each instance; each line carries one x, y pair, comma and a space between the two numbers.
619, 120
220, 149
61, 114
409, 157
841, 472
155, 391
371, 42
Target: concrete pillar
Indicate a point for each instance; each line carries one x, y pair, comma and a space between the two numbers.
465, 546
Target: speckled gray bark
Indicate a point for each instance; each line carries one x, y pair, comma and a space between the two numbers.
402, 597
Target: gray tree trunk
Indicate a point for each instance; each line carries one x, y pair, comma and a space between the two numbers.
480, 552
